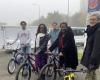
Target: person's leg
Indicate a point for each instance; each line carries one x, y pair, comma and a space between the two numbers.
91, 75
61, 61
94, 77
88, 76
28, 49
43, 59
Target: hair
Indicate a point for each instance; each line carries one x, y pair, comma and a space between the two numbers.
64, 23
96, 15
45, 29
55, 23
23, 22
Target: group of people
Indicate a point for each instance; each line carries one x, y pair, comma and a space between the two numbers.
62, 42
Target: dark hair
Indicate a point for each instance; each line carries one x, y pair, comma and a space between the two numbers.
45, 29
23, 22
64, 23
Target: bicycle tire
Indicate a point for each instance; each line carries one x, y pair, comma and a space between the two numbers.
8, 67
22, 67
43, 70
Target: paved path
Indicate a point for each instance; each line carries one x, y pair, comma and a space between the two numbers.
4, 58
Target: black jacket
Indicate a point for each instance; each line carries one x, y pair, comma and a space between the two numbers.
69, 50
91, 56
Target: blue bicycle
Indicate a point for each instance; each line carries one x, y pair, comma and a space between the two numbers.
15, 61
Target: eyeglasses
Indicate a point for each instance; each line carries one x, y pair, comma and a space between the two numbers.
93, 19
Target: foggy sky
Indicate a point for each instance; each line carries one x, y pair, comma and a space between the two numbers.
13, 11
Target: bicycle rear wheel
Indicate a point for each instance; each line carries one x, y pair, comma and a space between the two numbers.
24, 72
48, 72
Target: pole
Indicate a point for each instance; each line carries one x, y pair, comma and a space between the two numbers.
39, 10
68, 11
39, 13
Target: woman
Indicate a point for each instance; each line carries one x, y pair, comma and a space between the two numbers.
41, 42
67, 49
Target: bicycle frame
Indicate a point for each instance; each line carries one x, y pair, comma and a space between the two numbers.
29, 60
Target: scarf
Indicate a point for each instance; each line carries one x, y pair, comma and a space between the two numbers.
91, 30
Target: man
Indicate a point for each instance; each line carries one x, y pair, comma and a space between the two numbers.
24, 38
91, 56
54, 34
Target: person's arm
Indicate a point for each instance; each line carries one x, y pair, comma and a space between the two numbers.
15, 39
95, 57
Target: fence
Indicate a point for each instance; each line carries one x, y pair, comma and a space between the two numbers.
9, 33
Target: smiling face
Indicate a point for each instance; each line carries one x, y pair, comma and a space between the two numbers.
42, 29
63, 27
93, 20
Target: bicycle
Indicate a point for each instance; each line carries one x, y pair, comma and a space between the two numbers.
27, 67
15, 61
49, 70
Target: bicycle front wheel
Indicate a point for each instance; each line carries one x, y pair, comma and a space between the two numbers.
11, 66
24, 72
48, 72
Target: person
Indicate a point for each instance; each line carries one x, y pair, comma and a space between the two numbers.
91, 55
41, 43
54, 35
24, 37
67, 48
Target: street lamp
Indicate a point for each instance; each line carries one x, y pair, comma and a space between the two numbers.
3, 35
39, 10
68, 11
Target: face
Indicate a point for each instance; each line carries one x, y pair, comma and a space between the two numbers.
63, 27
54, 25
93, 20
23, 25
42, 28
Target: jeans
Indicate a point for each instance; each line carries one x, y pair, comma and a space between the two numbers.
26, 49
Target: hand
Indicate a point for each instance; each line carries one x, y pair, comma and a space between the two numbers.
9, 43
48, 51
61, 54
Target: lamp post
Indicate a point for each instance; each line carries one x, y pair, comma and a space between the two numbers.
68, 11
38, 9
3, 34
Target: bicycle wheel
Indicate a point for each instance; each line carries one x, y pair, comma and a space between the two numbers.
11, 66
24, 72
48, 72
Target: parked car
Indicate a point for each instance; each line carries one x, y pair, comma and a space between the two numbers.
79, 35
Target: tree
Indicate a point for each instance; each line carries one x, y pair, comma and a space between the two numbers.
78, 19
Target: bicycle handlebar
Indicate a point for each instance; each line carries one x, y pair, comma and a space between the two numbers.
52, 54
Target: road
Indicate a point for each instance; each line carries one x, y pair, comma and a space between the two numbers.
4, 58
